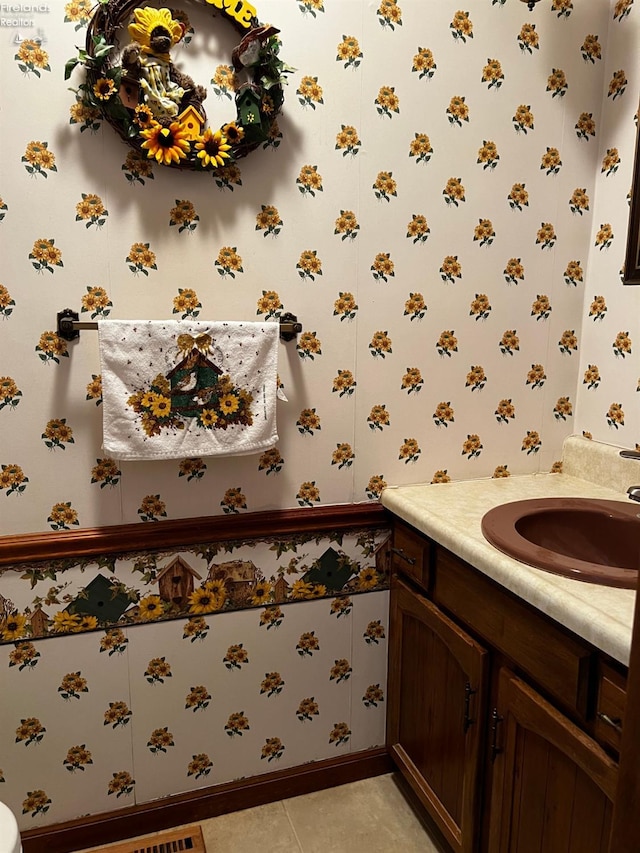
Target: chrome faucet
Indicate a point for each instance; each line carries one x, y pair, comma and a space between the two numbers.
632, 491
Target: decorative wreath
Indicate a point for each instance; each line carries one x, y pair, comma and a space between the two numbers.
156, 108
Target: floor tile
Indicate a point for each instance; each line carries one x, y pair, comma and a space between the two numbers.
370, 816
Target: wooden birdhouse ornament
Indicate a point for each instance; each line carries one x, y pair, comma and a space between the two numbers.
248, 102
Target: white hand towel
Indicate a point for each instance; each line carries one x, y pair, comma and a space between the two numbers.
178, 389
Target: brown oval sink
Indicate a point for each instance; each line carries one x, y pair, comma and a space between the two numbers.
597, 541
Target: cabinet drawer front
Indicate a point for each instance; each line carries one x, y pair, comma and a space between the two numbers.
557, 662
612, 697
411, 554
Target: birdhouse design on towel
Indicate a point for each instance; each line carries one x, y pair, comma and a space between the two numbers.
195, 389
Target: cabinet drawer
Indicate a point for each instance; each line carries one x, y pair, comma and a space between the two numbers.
556, 661
612, 696
412, 554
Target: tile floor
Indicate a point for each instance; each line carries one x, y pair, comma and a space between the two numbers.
370, 816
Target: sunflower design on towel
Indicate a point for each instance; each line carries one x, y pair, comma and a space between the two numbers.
195, 388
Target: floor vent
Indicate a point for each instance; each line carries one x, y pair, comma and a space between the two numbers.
171, 841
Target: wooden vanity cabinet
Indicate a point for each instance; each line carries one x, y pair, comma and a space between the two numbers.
498, 718
436, 689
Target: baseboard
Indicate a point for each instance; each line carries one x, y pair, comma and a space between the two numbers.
206, 803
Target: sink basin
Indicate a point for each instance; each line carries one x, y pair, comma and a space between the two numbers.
597, 541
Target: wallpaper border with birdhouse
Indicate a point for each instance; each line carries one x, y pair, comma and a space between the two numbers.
99, 591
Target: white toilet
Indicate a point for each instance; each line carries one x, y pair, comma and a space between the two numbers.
9, 835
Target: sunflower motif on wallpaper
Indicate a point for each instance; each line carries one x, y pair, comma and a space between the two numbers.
557, 83
344, 383
36, 802
380, 344
308, 493
492, 74
415, 307
385, 187
309, 181
186, 303
461, 27
615, 415
387, 102
409, 451
523, 119
622, 9
585, 126
457, 111
136, 168
271, 461
10, 394
229, 262
592, 377
568, 343
617, 85
184, 216
505, 411
269, 221
309, 265
424, 64
38, 159
347, 225
347, 140
531, 443
562, 7
591, 49
310, 92
510, 342
518, 197
454, 192
32, 58
418, 229
13, 480
420, 147
311, 7
348, 52
105, 472
528, 39
45, 255
309, 346
484, 232
345, 306
4, 207
78, 12
141, 259
610, 162
192, 469
91, 210
389, 14
598, 308
488, 154
551, 161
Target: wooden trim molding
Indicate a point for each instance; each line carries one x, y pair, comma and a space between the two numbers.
121, 538
207, 803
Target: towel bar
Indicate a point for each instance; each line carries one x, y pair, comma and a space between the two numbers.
69, 326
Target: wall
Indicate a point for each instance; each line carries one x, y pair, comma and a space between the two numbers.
487, 405
387, 395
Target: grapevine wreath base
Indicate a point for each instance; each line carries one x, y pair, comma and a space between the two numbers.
156, 108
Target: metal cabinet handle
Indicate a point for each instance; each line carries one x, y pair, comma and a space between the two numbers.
400, 553
496, 719
614, 722
468, 693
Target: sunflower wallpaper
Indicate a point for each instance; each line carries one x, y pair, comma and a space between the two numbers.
443, 204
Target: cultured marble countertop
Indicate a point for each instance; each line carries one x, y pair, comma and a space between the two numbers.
451, 514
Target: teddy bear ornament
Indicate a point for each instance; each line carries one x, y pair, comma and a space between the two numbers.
164, 89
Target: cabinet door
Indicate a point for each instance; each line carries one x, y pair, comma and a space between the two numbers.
553, 787
437, 685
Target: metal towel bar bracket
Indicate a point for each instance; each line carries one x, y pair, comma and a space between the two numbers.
69, 326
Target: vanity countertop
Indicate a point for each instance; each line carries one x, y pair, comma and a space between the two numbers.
451, 515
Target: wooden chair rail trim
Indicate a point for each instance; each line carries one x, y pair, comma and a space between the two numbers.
173, 533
